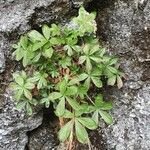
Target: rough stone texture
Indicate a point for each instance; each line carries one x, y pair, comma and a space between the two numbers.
125, 29
15, 124
45, 136
2, 62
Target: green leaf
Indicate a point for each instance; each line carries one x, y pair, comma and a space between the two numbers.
86, 49
45, 100
20, 80
24, 42
46, 31
19, 53
33, 102
81, 133
82, 76
106, 116
72, 90
73, 81
97, 82
55, 29
87, 83
65, 131
95, 117
27, 94
99, 100
85, 22
38, 45
65, 62
35, 36
20, 105
18, 94
29, 85
69, 50
60, 109
96, 72
29, 109
113, 61
94, 49
88, 65
112, 80
63, 86
112, 69
106, 106
55, 95
88, 122
73, 103
68, 114
96, 59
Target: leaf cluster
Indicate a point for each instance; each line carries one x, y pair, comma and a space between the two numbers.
62, 65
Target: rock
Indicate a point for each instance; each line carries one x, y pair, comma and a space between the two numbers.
125, 30
14, 125
45, 136
2, 61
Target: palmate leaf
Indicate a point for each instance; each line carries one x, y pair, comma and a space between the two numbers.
39, 79
100, 108
22, 85
85, 21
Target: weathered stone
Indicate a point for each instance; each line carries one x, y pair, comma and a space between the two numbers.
44, 137
14, 125
2, 61
125, 30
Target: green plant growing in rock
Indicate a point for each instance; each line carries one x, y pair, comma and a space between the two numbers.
62, 65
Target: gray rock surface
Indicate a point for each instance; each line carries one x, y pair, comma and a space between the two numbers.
15, 124
45, 137
124, 28
2, 62
126, 31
